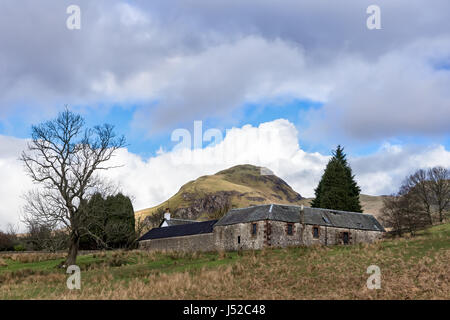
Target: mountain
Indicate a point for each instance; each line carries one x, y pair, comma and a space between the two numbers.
210, 197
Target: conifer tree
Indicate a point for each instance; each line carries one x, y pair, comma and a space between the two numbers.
338, 189
111, 223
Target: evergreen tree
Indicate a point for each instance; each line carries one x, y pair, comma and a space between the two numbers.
120, 228
110, 223
338, 189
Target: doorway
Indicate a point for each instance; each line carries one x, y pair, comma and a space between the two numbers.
345, 237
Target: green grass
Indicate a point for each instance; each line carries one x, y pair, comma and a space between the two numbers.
47, 265
121, 266
129, 263
36, 266
291, 273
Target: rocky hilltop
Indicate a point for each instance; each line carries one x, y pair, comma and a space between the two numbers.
210, 197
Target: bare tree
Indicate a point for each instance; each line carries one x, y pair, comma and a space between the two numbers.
43, 237
391, 214
403, 211
411, 210
439, 184
418, 184
142, 226
64, 157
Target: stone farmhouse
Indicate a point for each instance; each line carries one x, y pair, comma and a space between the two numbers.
263, 226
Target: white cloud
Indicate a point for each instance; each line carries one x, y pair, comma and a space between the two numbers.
13, 180
272, 144
220, 78
383, 171
402, 93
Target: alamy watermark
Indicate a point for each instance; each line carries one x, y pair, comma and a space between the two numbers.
73, 22
374, 20
209, 147
74, 281
374, 281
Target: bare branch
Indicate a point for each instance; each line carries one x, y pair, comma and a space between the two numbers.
63, 157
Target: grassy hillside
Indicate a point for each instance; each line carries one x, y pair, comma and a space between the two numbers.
370, 204
237, 187
411, 268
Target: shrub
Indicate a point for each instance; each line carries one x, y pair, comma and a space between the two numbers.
19, 247
6, 241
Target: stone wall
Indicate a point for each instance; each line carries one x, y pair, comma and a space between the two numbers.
268, 234
279, 236
334, 236
274, 234
239, 236
198, 242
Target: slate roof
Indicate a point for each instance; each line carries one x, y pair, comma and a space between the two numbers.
180, 230
313, 216
176, 222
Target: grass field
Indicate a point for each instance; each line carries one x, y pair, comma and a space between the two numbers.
411, 268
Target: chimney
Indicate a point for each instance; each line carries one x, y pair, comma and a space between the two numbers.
302, 214
167, 214
302, 222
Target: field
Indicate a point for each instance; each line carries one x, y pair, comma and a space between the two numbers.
411, 268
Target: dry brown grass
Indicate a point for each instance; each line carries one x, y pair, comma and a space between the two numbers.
255, 278
33, 257
271, 275
3, 263
410, 269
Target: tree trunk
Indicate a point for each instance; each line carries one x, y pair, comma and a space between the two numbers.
430, 218
73, 250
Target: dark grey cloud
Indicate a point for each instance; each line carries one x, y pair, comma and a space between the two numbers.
45, 64
322, 26
402, 93
198, 59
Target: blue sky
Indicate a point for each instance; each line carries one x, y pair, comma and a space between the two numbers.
121, 116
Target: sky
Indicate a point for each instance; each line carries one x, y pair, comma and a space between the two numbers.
272, 83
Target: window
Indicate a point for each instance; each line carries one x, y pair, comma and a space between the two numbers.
254, 229
290, 229
239, 239
316, 232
